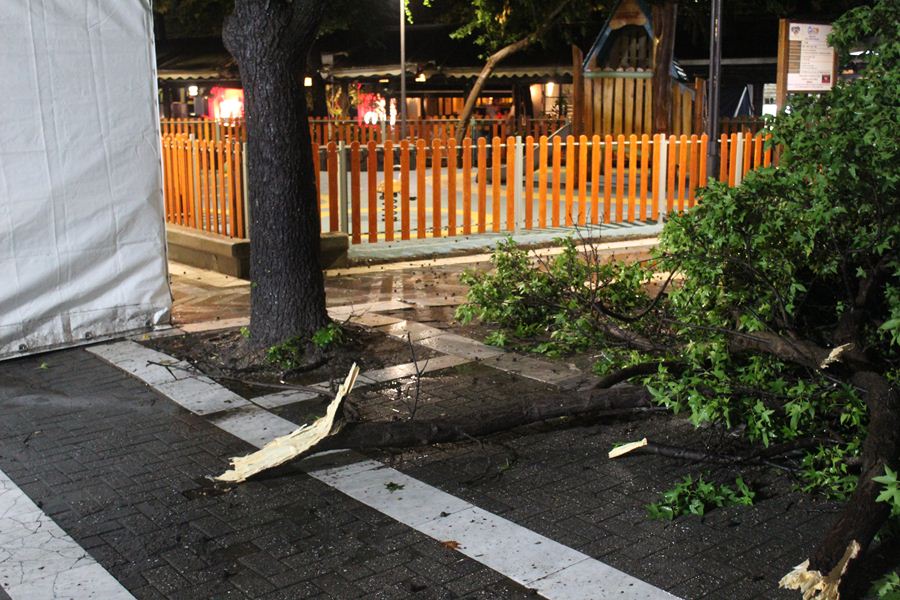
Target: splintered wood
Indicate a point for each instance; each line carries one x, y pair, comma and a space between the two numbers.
815, 586
285, 448
626, 448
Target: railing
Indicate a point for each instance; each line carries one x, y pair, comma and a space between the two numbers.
205, 184
417, 190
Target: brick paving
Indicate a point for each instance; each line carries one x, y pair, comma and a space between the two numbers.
122, 470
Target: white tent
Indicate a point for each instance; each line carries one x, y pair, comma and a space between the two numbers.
82, 237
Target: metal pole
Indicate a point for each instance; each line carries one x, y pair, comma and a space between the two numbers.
715, 73
402, 69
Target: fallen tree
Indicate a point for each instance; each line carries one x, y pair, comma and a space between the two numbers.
785, 322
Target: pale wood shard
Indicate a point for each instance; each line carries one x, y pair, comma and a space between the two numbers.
834, 355
284, 448
626, 448
813, 585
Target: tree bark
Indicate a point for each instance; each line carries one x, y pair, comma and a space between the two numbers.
664, 29
863, 515
492, 62
403, 434
800, 352
270, 40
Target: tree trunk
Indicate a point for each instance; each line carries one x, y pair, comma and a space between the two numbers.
492, 62
834, 566
620, 400
664, 30
269, 40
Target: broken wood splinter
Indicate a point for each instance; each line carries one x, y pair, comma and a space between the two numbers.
287, 447
626, 448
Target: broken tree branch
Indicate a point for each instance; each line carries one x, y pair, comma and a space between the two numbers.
863, 515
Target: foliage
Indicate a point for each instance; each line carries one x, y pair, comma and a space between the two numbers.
548, 303
493, 24
328, 335
697, 496
793, 250
245, 332
807, 251
288, 354
188, 18
891, 492
887, 588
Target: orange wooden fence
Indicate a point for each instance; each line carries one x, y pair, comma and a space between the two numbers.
204, 184
414, 190
205, 129
322, 131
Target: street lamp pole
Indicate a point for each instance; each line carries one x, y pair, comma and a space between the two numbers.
402, 69
715, 73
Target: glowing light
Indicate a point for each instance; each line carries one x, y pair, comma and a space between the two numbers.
384, 80
307, 82
550, 88
226, 103
193, 90
420, 77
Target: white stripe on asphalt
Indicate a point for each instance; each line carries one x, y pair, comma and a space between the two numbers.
38, 560
556, 571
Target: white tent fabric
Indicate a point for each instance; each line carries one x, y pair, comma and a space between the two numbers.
82, 236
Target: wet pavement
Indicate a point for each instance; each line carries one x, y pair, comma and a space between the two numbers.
120, 466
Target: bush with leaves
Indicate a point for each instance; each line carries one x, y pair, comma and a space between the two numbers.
551, 300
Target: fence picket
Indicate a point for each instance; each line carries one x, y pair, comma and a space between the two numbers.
693, 161
645, 171
620, 176
436, 148
467, 185
683, 168
510, 186
632, 175
607, 177
529, 181
582, 179
571, 178
482, 185
372, 173
704, 140
595, 178
451, 186
421, 174
331, 165
542, 182
496, 161
657, 176
355, 209
671, 165
388, 191
557, 160
404, 189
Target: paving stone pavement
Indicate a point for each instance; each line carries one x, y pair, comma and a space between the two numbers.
121, 470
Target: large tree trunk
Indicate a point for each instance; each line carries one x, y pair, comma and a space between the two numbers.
664, 29
492, 62
270, 41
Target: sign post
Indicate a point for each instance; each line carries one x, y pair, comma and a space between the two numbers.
806, 63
